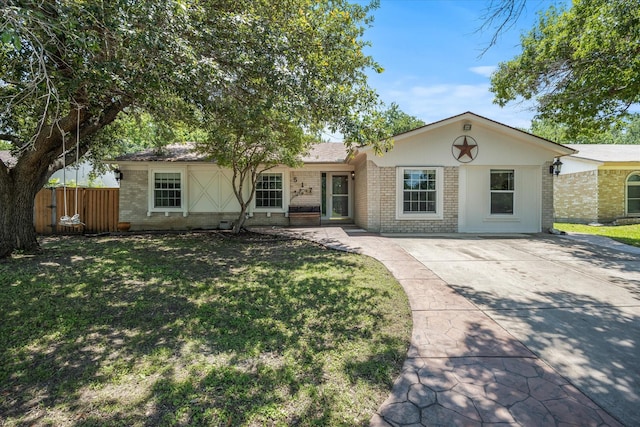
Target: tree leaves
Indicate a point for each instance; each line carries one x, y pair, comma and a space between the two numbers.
625, 131
581, 65
10, 37
260, 72
397, 121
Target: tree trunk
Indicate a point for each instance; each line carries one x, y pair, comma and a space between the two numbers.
237, 227
16, 215
238, 186
20, 183
24, 227
7, 225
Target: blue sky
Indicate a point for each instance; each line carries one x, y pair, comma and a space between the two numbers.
430, 51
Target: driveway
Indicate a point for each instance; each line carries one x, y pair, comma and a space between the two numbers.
574, 304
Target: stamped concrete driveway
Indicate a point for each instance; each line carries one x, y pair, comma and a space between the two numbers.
574, 304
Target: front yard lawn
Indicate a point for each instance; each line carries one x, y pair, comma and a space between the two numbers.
629, 234
197, 329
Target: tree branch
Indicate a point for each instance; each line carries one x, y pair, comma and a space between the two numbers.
500, 16
10, 138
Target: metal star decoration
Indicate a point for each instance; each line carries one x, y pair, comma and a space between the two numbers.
465, 149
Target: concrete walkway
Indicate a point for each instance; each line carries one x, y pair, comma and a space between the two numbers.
462, 368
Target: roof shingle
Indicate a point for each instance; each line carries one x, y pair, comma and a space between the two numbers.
607, 152
326, 152
170, 153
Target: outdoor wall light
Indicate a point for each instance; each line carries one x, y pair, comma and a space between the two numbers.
466, 127
555, 167
118, 174
353, 175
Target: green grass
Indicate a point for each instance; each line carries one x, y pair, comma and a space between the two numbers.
197, 329
629, 234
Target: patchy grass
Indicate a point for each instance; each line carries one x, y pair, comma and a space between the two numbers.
197, 329
629, 234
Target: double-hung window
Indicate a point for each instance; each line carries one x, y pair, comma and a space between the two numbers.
167, 190
419, 192
269, 190
502, 191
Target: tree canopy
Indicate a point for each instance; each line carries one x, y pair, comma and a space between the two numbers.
250, 136
626, 132
68, 69
397, 121
581, 65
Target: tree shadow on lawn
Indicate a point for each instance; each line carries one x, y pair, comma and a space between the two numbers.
176, 329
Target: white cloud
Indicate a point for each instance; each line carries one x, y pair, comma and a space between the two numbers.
437, 102
484, 70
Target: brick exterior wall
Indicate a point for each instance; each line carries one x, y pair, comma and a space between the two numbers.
387, 189
547, 186
576, 197
368, 196
307, 191
361, 196
451, 199
611, 194
134, 199
591, 196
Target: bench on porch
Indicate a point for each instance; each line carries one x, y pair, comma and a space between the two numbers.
304, 215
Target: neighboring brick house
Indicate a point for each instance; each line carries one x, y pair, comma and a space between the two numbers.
466, 173
599, 184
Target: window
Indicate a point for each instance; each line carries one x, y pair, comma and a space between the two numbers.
419, 190
502, 191
269, 190
167, 190
633, 194
419, 193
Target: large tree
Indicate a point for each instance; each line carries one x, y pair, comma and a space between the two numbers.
253, 127
581, 65
69, 68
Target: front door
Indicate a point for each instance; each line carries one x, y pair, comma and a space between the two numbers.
335, 198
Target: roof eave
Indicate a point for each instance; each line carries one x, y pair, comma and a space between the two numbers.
560, 149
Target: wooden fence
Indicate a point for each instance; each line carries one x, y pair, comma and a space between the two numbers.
98, 209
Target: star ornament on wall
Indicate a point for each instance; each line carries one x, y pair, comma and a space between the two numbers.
464, 149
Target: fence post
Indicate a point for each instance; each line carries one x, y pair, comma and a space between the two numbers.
54, 211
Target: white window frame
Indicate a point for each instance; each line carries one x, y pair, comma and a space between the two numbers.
626, 194
285, 185
513, 191
183, 191
438, 214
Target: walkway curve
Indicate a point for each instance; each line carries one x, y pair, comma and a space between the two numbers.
462, 368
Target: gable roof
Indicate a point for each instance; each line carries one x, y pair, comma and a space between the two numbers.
607, 152
472, 117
